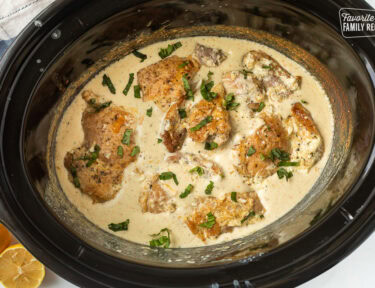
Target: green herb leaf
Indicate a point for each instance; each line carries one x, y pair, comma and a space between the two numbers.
183, 64
107, 82
248, 216
210, 145
251, 151
76, 182
233, 196
139, 55
211, 220
204, 122
126, 137
206, 90
287, 163
91, 158
260, 108
168, 175
284, 173
209, 188
262, 157
135, 151
98, 107
199, 170
187, 191
165, 52
160, 140
245, 72
229, 103
266, 67
209, 74
277, 153
130, 82
189, 92
120, 151
304, 102
149, 112
162, 241
122, 226
137, 91
182, 113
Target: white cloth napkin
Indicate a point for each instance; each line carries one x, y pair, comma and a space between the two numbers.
15, 14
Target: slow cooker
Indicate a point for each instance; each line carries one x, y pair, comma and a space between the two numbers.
68, 43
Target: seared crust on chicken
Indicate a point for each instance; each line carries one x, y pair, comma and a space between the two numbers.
306, 141
174, 131
269, 136
162, 82
207, 56
228, 214
155, 199
277, 81
95, 167
218, 129
243, 84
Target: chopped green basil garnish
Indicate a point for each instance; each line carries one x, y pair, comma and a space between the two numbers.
262, 157
182, 113
91, 158
209, 188
260, 108
251, 151
162, 241
210, 145
209, 74
135, 151
233, 196
287, 163
245, 72
183, 64
284, 173
130, 82
304, 102
165, 52
277, 153
206, 91
107, 82
266, 67
160, 140
204, 122
197, 169
98, 107
76, 182
137, 91
149, 112
120, 151
211, 220
126, 138
139, 55
168, 175
187, 191
248, 216
189, 92
229, 103
122, 226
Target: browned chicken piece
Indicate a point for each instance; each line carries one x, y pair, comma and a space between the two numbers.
210, 57
277, 81
254, 150
155, 199
227, 214
243, 84
174, 131
162, 82
97, 167
306, 142
208, 120
211, 168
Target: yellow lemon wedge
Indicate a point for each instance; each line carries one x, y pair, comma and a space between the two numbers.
18, 268
5, 238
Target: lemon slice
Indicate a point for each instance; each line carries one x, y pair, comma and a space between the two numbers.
18, 268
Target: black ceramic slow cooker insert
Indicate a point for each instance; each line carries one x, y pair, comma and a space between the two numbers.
50, 61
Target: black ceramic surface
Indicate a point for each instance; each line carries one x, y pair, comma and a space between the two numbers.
89, 29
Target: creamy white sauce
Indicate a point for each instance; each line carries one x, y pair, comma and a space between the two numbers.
277, 196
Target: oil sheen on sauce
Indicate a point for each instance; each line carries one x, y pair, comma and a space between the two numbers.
277, 195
